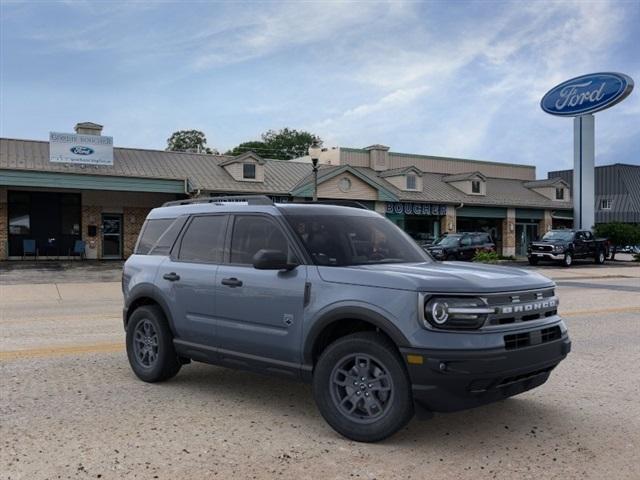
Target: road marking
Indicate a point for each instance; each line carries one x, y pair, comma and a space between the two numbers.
57, 351
603, 310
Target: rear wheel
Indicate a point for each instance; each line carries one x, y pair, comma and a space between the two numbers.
567, 261
150, 345
600, 257
361, 387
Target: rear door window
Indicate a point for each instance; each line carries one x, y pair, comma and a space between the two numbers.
150, 234
203, 240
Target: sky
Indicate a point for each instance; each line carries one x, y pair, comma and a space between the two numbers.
445, 78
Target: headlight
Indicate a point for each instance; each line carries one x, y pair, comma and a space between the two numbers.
558, 248
456, 312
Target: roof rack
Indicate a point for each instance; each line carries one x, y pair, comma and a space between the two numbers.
337, 203
250, 199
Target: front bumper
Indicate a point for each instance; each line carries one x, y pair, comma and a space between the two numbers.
546, 255
448, 381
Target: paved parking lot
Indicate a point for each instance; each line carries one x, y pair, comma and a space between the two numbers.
71, 408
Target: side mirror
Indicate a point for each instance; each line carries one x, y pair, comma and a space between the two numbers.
271, 260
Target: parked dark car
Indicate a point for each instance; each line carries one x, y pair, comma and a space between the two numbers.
566, 245
461, 246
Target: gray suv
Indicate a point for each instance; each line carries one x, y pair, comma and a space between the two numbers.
339, 297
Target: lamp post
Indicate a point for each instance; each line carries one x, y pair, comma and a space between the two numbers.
314, 153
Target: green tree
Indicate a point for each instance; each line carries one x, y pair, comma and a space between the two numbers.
283, 144
255, 146
188, 141
619, 234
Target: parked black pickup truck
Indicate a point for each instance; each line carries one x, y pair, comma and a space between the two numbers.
566, 245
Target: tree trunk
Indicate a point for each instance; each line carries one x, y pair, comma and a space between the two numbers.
613, 253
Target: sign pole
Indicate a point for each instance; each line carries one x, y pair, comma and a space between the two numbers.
579, 98
583, 172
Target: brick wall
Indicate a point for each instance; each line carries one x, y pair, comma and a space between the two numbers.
133, 218
4, 226
546, 223
91, 215
449, 220
509, 233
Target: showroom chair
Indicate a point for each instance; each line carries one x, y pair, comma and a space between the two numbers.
78, 249
29, 248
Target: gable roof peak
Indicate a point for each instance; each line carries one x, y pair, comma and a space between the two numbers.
243, 157
458, 177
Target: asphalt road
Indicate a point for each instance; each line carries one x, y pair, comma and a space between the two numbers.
71, 408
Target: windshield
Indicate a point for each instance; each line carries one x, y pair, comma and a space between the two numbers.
354, 240
448, 241
558, 235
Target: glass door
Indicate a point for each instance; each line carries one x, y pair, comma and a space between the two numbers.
525, 233
111, 235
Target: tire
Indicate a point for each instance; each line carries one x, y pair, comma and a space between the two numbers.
153, 357
369, 410
451, 258
533, 261
568, 260
600, 257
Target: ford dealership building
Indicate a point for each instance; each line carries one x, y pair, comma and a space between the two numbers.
77, 189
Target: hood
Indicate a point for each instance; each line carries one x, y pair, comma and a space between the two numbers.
450, 277
550, 242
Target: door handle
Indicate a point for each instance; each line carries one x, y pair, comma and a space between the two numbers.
172, 277
231, 282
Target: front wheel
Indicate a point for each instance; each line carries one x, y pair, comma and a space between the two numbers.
362, 388
600, 257
567, 261
533, 260
150, 345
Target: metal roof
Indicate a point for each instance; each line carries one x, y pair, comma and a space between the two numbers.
464, 176
205, 172
202, 171
619, 183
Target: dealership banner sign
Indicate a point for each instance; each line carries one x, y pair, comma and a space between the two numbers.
80, 149
416, 208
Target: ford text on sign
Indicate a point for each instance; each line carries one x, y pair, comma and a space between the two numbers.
80, 149
587, 94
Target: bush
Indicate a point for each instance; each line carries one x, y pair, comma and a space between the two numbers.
619, 234
486, 257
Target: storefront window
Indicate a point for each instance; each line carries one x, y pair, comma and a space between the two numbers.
70, 214
19, 214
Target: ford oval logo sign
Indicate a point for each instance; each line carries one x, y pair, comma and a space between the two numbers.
587, 94
79, 150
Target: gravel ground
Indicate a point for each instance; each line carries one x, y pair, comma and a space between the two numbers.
71, 408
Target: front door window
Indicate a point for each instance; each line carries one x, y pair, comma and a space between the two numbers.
111, 236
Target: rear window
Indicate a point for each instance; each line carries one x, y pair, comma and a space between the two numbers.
151, 232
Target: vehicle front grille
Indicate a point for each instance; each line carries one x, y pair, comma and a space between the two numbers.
521, 306
542, 248
527, 339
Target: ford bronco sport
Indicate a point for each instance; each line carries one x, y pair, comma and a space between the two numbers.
339, 297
